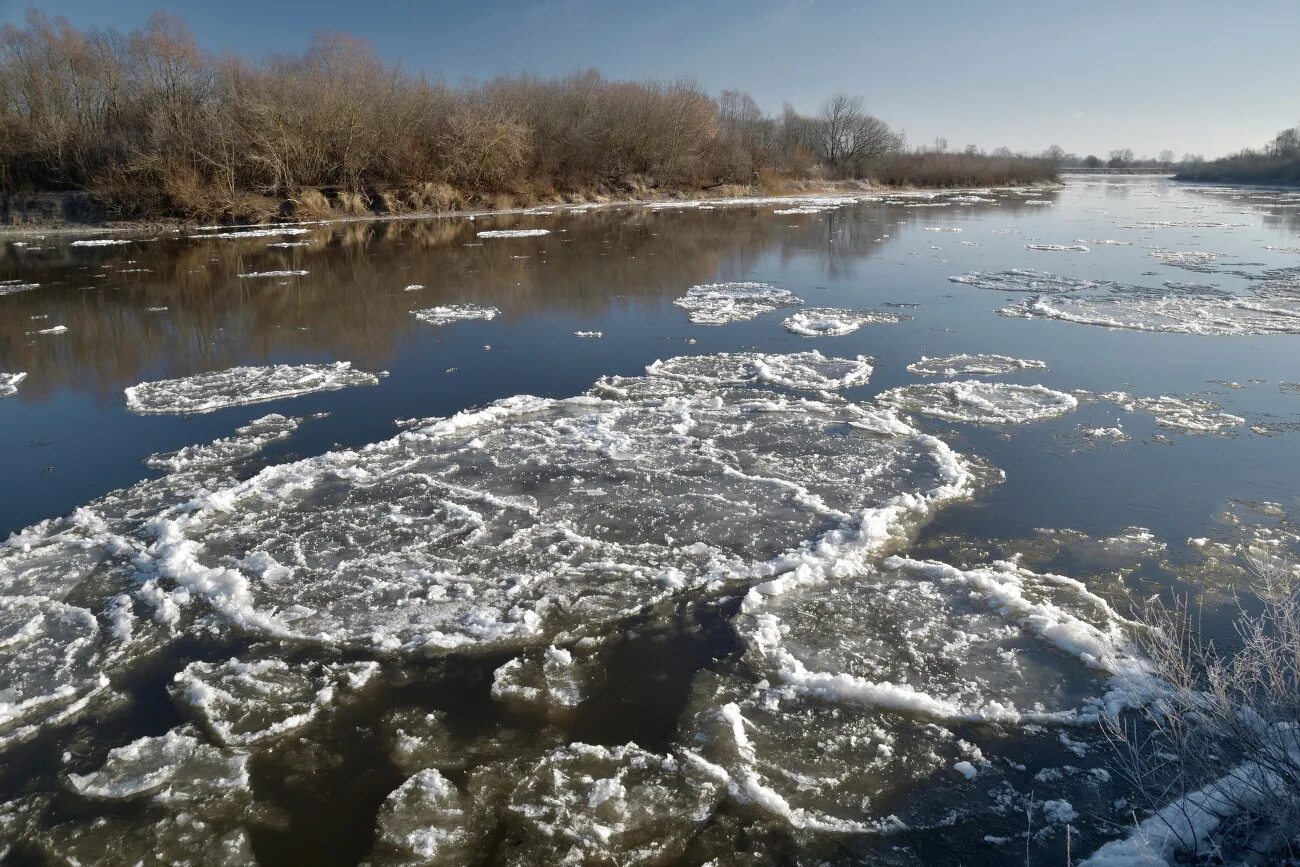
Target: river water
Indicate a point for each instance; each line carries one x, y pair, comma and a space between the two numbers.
500, 555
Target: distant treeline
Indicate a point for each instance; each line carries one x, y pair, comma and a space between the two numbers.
1278, 162
150, 125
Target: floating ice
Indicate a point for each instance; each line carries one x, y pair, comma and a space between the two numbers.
586, 804
55, 329
50, 662
1105, 242
509, 524
554, 681
921, 638
101, 242
256, 274
942, 229
449, 313
246, 703
804, 370
9, 383
979, 402
513, 233
236, 386
186, 805
1186, 414
720, 303
175, 767
834, 321
1027, 280
246, 441
254, 233
588, 334
286, 244
1179, 313
414, 287
973, 365
13, 287
1058, 248
426, 821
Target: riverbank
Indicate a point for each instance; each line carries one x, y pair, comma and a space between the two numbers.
33, 214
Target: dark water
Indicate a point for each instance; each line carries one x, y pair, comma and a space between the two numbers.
67, 437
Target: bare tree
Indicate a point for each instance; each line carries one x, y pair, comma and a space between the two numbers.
850, 138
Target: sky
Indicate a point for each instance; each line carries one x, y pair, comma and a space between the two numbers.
1193, 76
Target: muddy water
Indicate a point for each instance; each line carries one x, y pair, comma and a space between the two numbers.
1127, 502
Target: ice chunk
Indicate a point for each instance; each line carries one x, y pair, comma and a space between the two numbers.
9, 383
1058, 248
246, 441
425, 822
13, 287
973, 365
513, 233
50, 664
254, 233
1177, 313
588, 334
255, 274
554, 681
1027, 280
182, 803
833, 321
246, 703
236, 386
54, 329
455, 313
992, 643
173, 768
1185, 414
720, 303
101, 242
976, 402
803, 370
585, 804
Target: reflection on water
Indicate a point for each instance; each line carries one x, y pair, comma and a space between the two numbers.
352, 303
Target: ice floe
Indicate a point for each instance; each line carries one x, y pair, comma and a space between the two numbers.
976, 402
254, 233
51, 664
249, 702
720, 303
835, 321
102, 242
174, 767
553, 681
1176, 312
1058, 248
973, 365
257, 274
9, 383
513, 233
206, 392
246, 441
13, 287
514, 522
428, 822
1185, 414
803, 370
449, 313
54, 329
1027, 280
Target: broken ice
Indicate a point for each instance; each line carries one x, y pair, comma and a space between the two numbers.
206, 392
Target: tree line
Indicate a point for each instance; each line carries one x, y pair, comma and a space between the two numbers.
1278, 162
150, 124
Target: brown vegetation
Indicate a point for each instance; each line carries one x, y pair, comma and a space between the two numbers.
151, 125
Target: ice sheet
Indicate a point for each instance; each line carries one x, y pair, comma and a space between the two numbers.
835, 321
803, 370
976, 402
9, 383
206, 392
720, 303
973, 365
449, 313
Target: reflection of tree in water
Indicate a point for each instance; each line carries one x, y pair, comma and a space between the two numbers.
351, 305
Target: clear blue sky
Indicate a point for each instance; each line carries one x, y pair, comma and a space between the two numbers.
1205, 76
